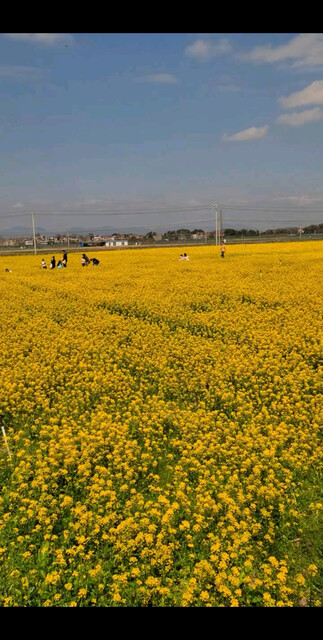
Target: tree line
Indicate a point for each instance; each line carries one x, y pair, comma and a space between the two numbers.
187, 234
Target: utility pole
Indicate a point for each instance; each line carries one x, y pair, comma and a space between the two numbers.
216, 224
221, 228
34, 236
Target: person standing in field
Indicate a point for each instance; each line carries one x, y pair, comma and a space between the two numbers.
223, 248
64, 259
53, 263
43, 264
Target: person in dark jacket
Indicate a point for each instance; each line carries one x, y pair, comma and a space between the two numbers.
53, 263
85, 260
95, 261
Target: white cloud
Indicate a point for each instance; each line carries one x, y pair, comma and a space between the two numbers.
313, 94
158, 78
297, 119
304, 50
253, 133
205, 50
48, 39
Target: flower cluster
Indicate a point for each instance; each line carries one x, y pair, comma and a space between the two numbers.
163, 419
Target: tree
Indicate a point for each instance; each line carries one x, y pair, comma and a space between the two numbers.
314, 228
170, 235
184, 232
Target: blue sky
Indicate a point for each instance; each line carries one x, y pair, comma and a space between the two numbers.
99, 122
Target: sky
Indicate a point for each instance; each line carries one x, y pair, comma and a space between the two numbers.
133, 130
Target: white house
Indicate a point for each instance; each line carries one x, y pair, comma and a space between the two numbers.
116, 243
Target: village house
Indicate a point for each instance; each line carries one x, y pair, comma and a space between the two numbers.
198, 236
116, 243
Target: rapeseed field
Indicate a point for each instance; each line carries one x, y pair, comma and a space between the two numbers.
164, 420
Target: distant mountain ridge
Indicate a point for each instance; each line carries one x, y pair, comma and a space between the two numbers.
23, 231
15, 232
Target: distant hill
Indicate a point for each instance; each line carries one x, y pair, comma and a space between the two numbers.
16, 232
106, 231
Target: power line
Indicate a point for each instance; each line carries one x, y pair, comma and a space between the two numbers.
15, 215
105, 213
117, 212
229, 221
226, 223
293, 210
183, 222
266, 221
